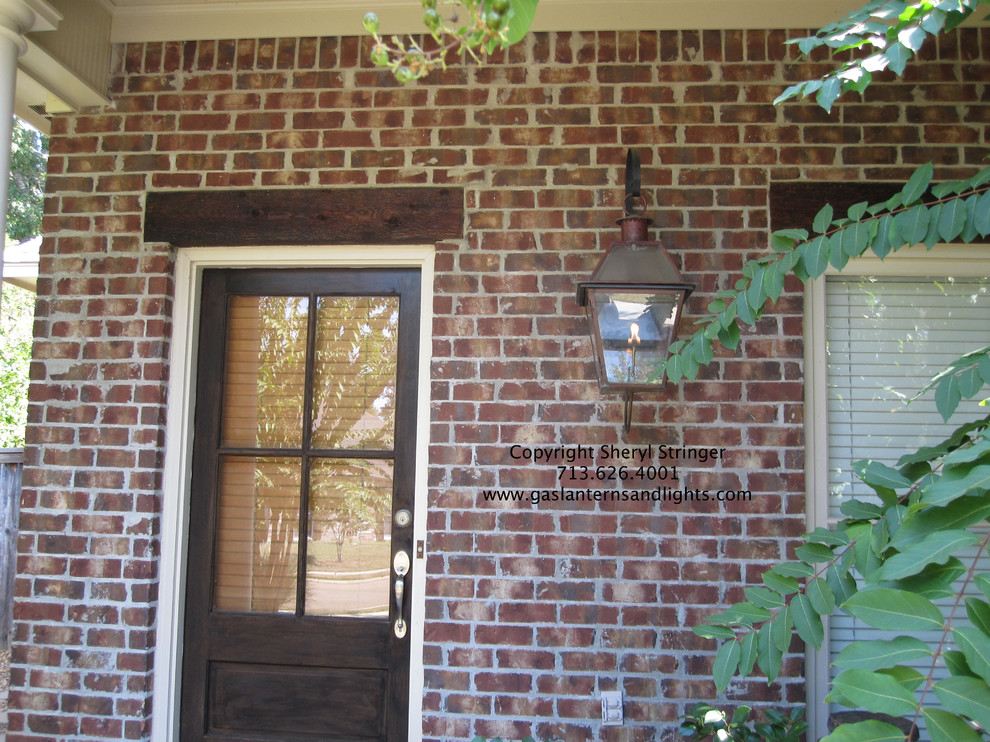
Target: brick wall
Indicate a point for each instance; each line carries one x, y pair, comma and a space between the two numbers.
531, 611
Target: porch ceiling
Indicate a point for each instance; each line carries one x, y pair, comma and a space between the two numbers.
160, 20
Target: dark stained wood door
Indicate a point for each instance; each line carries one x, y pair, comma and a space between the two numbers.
302, 496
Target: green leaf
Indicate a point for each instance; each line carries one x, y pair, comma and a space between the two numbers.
827, 536
726, 664
877, 654
710, 631
935, 548
823, 219
821, 596
894, 610
859, 510
958, 514
765, 598
783, 240
912, 37
837, 256
520, 18
745, 310
768, 657
741, 614
978, 612
807, 622
876, 692
952, 219
812, 553
842, 583
932, 236
882, 244
815, 257
780, 629
955, 663
878, 474
933, 582
975, 646
956, 482
912, 225
855, 239
947, 396
782, 584
944, 726
830, 90
906, 676
981, 219
729, 336
917, 184
866, 731
967, 696
857, 210
747, 654
970, 382
773, 282
793, 569
897, 56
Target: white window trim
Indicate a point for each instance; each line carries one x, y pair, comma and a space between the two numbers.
943, 260
190, 263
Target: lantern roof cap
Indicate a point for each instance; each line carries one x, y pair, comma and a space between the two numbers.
637, 266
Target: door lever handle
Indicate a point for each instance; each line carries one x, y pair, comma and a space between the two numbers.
401, 566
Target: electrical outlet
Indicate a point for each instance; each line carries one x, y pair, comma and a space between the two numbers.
612, 708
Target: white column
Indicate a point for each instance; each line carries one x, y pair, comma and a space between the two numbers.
17, 17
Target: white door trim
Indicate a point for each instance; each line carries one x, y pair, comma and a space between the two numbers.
190, 263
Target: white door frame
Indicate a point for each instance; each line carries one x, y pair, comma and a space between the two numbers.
190, 263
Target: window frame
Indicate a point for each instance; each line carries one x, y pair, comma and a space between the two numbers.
964, 261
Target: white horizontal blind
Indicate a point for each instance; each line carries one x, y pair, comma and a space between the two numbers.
886, 338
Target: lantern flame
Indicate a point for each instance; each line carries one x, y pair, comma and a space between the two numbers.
634, 334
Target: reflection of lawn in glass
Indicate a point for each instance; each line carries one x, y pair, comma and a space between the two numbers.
364, 556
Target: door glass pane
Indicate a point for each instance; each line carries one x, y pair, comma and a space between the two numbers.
354, 376
348, 553
257, 534
265, 371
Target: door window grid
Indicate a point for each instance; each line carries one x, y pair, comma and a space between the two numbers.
335, 484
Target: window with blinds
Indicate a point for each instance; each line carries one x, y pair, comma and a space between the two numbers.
886, 337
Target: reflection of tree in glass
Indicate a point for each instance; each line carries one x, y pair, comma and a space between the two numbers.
353, 388
282, 335
354, 407
346, 499
276, 524
354, 378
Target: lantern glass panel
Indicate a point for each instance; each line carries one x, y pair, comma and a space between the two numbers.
634, 330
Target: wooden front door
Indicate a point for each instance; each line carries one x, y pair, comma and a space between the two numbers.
300, 534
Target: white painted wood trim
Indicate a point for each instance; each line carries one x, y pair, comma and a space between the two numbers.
190, 263
178, 20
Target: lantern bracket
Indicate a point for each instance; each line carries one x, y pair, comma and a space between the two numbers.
633, 204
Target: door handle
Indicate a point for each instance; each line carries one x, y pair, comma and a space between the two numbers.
401, 566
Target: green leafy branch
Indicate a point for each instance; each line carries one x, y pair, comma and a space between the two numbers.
956, 209
885, 564
490, 25
890, 31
